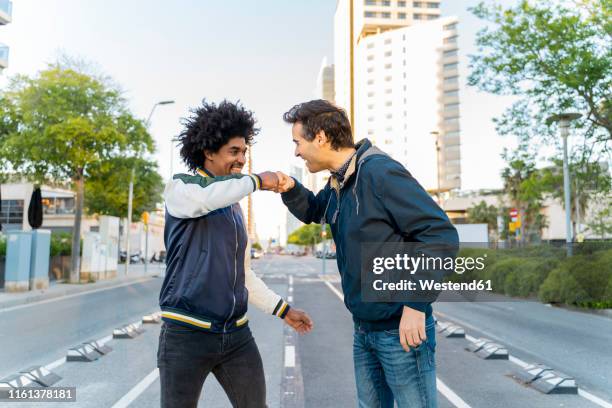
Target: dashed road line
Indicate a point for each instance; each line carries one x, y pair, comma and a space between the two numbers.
449, 394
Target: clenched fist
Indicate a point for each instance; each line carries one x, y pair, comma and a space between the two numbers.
269, 180
285, 183
299, 320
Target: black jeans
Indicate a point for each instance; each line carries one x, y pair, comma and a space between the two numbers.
186, 356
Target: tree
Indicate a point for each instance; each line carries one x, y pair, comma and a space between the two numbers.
524, 188
60, 124
556, 55
483, 213
601, 223
309, 234
106, 189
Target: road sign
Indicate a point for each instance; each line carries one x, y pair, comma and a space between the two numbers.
145, 218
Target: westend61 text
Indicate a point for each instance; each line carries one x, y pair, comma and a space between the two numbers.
428, 285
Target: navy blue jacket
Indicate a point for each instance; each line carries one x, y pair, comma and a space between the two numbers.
379, 201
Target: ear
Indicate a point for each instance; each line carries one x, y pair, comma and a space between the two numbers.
208, 155
321, 138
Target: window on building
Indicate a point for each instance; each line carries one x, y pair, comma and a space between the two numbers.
451, 121
370, 46
451, 135
451, 53
371, 119
404, 62
370, 2
388, 41
370, 14
452, 93
452, 26
389, 129
418, 16
371, 69
58, 205
451, 66
370, 94
388, 66
389, 103
370, 81
450, 106
370, 107
370, 57
401, 16
388, 53
386, 3
451, 40
401, 4
385, 14
388, 78
370, 131
433, 5
432, 17
388, 91
417, 4
389, 116
388, 141
11, 212
451, 80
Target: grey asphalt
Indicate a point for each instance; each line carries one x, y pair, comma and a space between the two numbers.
39, 334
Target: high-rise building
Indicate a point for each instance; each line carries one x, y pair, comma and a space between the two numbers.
398, 81
6, 16
325, 82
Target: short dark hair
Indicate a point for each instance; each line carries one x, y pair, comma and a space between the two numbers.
321, 115
210, 127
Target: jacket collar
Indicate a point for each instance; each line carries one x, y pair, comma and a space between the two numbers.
204, 173
364, 150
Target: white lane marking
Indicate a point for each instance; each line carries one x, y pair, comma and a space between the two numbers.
593, 398
55, 364
333, 289
449, 394
85, 292
138, 389
290, 280
584, 394
289, 298
289, 356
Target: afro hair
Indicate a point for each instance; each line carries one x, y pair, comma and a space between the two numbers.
210, 127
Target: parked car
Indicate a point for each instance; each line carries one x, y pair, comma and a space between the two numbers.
255, 254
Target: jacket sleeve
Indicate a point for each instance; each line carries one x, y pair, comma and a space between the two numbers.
260, 295
416, 216
306, 206
188, 196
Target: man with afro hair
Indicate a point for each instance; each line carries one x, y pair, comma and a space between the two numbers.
208, 281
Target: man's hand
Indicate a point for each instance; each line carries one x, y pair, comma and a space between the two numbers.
285, 183
299, 320
412, 328
269, 180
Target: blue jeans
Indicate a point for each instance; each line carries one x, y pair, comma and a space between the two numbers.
384, 372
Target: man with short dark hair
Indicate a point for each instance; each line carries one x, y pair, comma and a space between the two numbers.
370, 198
208, 280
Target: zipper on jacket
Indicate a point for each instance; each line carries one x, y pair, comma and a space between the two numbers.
235, 273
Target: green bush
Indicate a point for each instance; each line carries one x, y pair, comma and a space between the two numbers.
2, 246
581, 280
61, 244
526, 280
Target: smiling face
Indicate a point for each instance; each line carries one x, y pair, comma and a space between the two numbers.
230, 158
311, 151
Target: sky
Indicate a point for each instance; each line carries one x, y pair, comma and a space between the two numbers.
265, 53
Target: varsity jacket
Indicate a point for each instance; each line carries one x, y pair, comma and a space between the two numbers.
208, 281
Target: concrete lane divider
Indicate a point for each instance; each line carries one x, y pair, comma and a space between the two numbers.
127, 332
83, 352
99, 346
454, 331
546, 380
488, 350
18, 381
478, 344
153, 318
41, 375
441, 326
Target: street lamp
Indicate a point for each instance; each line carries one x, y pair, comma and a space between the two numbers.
564, 120
436, 136
131, 194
